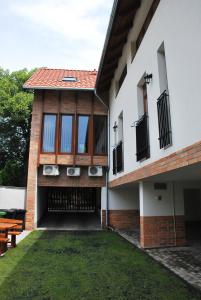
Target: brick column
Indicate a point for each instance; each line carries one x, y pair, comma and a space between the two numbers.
103, 218
162, 231
33, 160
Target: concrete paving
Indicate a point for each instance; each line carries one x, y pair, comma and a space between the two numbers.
70, 221
183, 261
20, 237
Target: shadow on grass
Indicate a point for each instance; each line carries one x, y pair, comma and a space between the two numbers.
85, 265
14, 256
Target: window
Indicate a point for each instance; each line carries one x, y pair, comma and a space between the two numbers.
147, 22
142, 125
142, 98
100, 135
69, 78
163, 105
121, 78
83, 134
162, 69
133, 50
120, 127
118, 156
66, 134
49, 132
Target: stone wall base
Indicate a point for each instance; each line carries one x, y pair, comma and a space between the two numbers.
162, 231
122, 219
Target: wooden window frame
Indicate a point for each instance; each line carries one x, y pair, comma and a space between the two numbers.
60, 133
56, 130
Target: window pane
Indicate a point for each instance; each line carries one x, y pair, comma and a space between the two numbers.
49, 131
83, 131
100, 135
66, 134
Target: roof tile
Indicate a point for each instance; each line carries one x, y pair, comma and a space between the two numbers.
45, 78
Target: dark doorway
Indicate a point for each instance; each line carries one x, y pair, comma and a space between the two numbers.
192, 206
69, 208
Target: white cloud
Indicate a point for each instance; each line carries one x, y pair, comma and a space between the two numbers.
53, 33
75, 19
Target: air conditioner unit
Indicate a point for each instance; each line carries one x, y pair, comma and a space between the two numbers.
95, 171
50, 170
71, 171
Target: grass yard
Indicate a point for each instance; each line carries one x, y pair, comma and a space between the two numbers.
85, 265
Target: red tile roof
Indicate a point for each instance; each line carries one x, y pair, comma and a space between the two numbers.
45, 78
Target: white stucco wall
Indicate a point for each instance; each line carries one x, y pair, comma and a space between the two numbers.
121, 198
12, 197
178, 24
124, 198
173, 196
160, 202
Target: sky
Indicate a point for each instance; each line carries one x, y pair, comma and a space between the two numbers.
53, 33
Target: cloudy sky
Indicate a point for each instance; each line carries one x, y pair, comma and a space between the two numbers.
52, 33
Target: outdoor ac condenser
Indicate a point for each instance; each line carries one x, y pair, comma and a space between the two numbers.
95, 171
50, 170
71, 171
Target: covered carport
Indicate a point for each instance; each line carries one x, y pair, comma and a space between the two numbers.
69, 208
185, 196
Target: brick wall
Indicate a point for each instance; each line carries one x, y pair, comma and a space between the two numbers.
33, 160
103, 218
58, 102
160, 231
66, 181
122, 219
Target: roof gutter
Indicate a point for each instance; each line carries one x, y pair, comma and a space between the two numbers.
108, 163
56, 88
113, 13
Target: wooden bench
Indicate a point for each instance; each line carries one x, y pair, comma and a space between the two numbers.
3, 243
15, 231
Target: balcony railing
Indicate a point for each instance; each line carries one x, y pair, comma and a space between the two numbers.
142, 138
118, 158
164, 123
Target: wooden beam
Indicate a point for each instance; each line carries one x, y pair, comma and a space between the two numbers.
129, 7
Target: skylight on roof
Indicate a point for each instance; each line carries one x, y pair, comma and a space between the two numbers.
69, 78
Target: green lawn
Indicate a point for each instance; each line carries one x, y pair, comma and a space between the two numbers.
85, 265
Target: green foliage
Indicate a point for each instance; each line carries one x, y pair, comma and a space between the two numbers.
15, 113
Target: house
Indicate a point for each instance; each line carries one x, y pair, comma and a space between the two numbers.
150, 78
148, 84
68, 146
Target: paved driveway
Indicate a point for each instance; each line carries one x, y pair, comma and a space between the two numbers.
183, 261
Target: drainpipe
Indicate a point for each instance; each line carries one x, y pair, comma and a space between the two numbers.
174, 213
108, 168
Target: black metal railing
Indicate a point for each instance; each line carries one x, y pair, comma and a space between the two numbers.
164, 123
142, 138
118, 158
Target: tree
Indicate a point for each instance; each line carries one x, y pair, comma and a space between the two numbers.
15, 115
